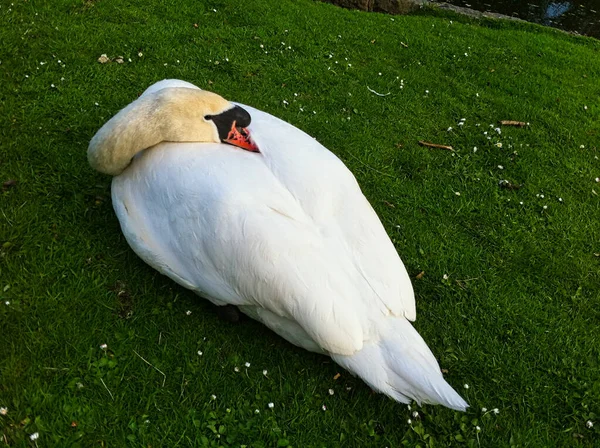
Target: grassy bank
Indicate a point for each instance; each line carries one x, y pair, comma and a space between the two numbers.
509, 299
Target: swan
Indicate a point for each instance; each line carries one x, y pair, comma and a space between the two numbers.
246, 210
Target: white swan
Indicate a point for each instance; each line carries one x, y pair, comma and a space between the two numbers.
281, 230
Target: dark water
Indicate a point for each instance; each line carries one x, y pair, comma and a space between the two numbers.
582, 16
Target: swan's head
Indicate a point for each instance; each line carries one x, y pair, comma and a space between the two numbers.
168, 114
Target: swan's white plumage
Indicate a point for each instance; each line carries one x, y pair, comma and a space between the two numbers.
288, 237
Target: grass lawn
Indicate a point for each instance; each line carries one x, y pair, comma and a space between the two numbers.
509, 299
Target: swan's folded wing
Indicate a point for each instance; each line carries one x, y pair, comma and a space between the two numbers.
279, 261
375, 256
235, 235
330, 194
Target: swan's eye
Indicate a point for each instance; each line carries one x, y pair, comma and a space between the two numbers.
208, 117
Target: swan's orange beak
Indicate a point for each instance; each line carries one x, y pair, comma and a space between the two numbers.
240, 137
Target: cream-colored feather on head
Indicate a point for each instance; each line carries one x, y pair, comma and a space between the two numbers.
169, 114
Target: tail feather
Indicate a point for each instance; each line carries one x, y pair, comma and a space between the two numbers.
401, 365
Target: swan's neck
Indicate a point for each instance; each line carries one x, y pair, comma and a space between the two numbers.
171, 114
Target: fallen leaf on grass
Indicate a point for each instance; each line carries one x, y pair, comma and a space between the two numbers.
420, 275
103, 59
512, 123
435, 145
9, 184
337, 375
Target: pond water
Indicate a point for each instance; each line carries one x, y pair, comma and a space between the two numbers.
581, 16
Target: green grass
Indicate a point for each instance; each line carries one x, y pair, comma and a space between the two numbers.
516, 319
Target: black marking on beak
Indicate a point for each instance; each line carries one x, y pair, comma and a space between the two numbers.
225, 120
